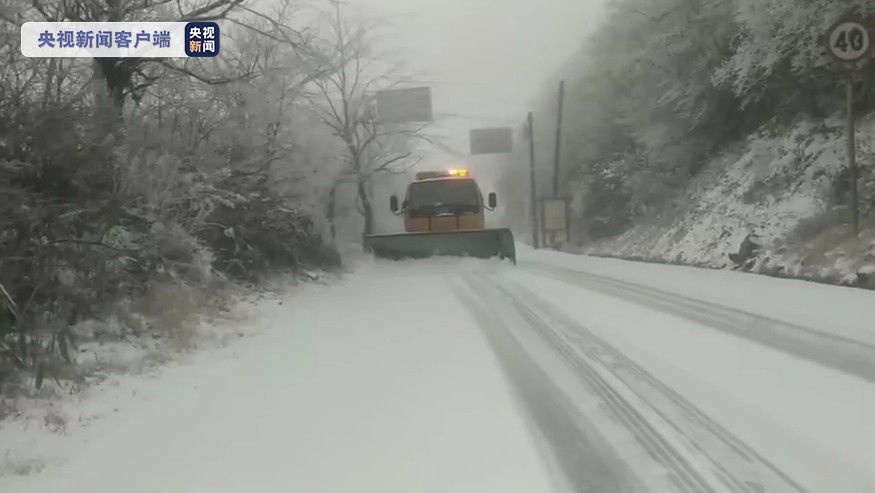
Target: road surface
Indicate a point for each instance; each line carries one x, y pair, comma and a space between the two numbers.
564, 373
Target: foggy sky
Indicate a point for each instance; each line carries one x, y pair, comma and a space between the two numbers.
486, 59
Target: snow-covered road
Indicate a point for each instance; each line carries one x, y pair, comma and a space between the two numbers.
564, 373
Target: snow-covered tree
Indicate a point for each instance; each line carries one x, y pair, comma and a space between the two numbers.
346, 102
779, 56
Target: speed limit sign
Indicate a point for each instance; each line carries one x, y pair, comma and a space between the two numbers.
849, 41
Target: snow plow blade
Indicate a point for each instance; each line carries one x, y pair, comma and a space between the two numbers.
484, 243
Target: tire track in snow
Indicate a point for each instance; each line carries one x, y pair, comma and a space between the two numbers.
734, 461
584, 461
699, 455
850, 356
682, 475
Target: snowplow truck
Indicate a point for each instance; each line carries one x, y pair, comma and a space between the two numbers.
444, 214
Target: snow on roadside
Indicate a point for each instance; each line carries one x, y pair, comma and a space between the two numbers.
41, 432
767, 186
836, 310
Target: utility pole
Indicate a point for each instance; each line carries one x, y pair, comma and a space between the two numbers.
530, 128
557, 156
852, 157
557, 160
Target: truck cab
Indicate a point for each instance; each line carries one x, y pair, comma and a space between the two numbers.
443, 201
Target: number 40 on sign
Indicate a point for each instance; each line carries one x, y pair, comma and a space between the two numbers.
849, 41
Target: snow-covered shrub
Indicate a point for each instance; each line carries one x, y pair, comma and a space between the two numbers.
260, 236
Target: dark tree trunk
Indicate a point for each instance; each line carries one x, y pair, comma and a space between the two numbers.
331, 211
116, 75
367, 208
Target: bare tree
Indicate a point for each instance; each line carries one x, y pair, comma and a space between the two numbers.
346, 105
123, 78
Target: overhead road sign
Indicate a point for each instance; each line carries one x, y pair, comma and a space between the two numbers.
409, 105
492, 140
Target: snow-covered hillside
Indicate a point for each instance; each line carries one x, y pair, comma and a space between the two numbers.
779, 185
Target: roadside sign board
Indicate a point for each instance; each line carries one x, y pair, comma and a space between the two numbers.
410, 105
554, 212
849, 41
491, 141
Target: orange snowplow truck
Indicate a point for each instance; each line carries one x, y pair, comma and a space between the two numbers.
444, 214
